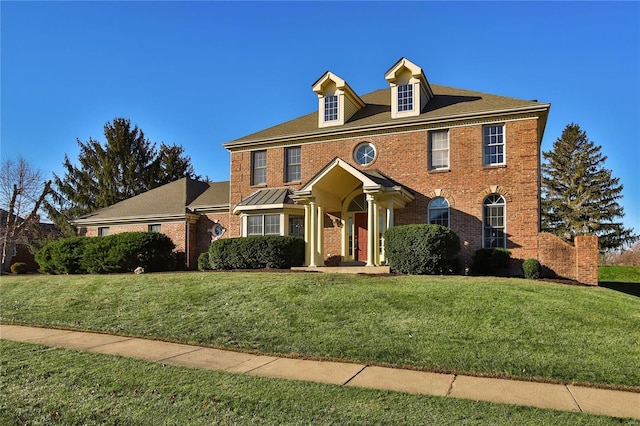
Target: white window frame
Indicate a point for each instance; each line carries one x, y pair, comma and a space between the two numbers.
498, 230
432, 150
493, 145
263, 224
258, 168
439, 204
154, 227
103, 231
405, 97
364, 145
331, 111
293, 167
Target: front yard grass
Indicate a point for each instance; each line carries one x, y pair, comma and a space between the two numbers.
41, 385
483, 326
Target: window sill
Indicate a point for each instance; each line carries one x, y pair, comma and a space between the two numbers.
494, 166
293, 182
439, 171
259, 185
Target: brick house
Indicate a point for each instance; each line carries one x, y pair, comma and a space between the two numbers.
413, 152
190, 212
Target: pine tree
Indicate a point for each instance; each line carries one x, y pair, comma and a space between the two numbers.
579, 195
127, 164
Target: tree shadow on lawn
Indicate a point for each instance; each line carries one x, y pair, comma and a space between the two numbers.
629, 288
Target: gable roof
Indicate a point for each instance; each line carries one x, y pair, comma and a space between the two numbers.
447, 104
171, 201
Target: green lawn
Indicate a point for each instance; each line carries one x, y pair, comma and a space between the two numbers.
498, 327
42, 385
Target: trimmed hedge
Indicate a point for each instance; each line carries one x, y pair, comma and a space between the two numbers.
113, 253
422, 249
269, 251
203, 262
491, 261
531, 268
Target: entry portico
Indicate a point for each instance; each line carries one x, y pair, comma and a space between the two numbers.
362, 205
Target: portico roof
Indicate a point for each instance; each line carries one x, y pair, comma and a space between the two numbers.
338, 179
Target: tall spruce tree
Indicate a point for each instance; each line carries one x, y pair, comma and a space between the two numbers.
579, 195
127, 164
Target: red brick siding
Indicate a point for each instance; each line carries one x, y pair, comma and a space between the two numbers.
579, 262
403, 157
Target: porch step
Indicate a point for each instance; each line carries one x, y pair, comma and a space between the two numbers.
373, 270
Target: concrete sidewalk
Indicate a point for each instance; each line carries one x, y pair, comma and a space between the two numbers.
543, 395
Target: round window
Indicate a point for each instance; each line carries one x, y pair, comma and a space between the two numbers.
365, 153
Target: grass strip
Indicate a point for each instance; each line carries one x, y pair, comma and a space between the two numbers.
482, 326
43, 385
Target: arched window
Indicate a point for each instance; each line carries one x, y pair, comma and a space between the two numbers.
494, 222
439, 212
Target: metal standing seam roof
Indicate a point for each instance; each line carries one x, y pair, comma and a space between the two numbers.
269, 196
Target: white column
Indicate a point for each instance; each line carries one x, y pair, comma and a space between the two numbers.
371, 225
313, 225
320, 238
390, 218
307, 234
384, 228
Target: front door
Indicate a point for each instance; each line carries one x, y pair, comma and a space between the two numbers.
361, 224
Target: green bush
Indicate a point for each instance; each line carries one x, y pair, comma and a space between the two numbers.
422, 249
19, 268
491, 261
113, 253
203, 261
270, 251
63, 256
531, 268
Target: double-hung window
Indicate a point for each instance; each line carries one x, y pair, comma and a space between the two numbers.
268, 224
439, 150
331, 108
258, 167
405, 97
156, 227
103, 231
493, 145
292, 164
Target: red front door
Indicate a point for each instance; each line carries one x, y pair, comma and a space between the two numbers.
361, 225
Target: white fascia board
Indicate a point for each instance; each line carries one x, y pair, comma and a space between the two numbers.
132, 219
409, 123
241, 209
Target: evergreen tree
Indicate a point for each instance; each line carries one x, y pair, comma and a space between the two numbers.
579, 195
127, 164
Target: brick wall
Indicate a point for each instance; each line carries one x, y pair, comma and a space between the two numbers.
403, 157
579, 262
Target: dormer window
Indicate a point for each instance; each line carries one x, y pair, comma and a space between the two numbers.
405, 97
337, 102
410, 90
331, 108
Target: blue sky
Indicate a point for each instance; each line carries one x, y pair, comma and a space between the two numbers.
199, 74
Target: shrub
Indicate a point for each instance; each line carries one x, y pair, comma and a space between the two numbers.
491, 261
19, 268
63, 256
270, 251
422, 249
531, 268
203, 261
124, 252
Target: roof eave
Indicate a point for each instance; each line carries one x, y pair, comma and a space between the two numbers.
341, 131
130, 219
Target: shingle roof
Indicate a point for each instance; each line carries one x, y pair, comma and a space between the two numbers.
448, 103
268, 197
216, 195
172, 199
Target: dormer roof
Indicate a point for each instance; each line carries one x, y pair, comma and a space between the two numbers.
410, 90
335, 94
